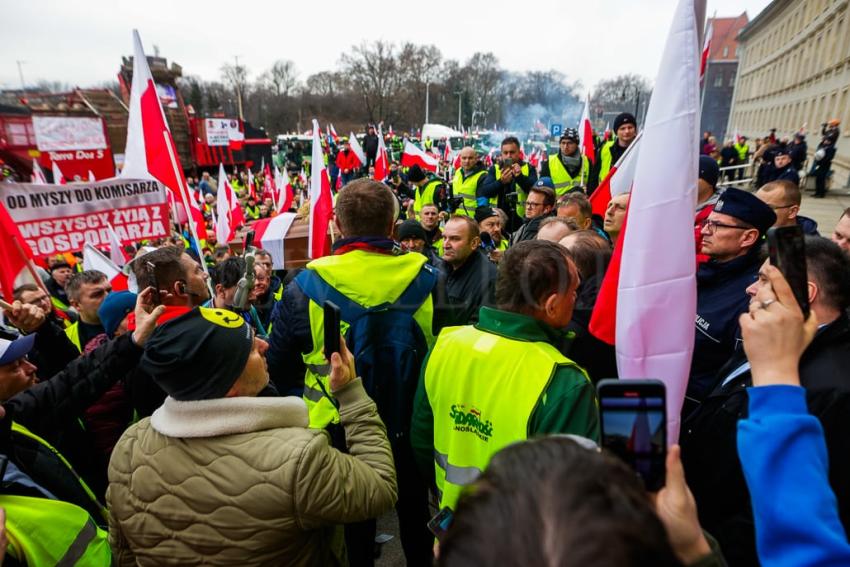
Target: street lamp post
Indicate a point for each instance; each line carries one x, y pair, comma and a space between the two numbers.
427, 101
459, 108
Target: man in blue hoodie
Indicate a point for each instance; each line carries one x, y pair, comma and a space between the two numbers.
784, 198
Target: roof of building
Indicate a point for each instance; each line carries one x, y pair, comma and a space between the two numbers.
724, 35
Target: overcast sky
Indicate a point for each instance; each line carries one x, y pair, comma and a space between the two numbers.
81, 43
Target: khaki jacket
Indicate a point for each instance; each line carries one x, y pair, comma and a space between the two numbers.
242, 481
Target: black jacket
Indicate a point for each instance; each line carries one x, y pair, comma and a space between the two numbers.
265, 304
51, 409
469, 287
594, 181
529, 229
721, 298
370, 146
709, 445
492, 187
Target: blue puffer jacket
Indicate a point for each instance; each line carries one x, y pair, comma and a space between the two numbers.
721, 298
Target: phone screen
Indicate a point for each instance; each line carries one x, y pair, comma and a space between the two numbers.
634, 426
787, 248
441, 522
331, 322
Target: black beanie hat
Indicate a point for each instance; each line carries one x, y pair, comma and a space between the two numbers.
415, 174
199, 355
485, 212
709, 171
624, 118
411, 229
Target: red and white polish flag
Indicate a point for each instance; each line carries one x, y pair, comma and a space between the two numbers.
38, 177
94, 259
412, 155
58, 177
382, 162
355, 146
585, 133
150, 152
321, 202
270, 233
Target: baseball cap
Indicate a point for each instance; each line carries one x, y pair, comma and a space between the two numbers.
10, 351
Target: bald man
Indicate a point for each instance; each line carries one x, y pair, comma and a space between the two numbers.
467, 181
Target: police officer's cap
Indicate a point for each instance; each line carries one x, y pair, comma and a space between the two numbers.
746, 207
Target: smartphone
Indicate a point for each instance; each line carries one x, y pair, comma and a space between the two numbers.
634, 426
441, 522
487, 242
787, 248
152, 271
507, 162
248, 242
331, 328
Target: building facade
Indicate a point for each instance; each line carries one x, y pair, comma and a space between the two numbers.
794, 74
720, 73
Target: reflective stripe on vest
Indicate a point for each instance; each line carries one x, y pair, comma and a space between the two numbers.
522, 195
21, 430
561, 178
605, 159
483, 390
425, 195
73, 334
466, 188
52, 532
356, 266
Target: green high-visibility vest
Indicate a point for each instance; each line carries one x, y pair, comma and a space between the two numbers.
483, 389
466, 188
425, 195
58, 303
564, 183
396, 273
73, 334
605, 159
44, 533
522, 195
743, 151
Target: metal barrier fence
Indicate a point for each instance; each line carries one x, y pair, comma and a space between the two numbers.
723, 181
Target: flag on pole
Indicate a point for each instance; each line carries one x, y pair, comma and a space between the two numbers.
16, 259
150, 152
447, 152
652, 339
116, 251
228, 212
269, 188
321, 204
94, 259
355, 146
333, 134
382, 163
38, 174
269, 234
585, 133
706, 49
58, 177
252, 190
412, 155
607, 131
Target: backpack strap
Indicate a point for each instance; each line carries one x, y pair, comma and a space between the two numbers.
317, 289
417, 292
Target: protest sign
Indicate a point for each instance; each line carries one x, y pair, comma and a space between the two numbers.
61, 218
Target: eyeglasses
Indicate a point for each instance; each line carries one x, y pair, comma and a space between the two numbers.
711, 226
532, 205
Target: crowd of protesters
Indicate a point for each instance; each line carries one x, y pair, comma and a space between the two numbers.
200, 420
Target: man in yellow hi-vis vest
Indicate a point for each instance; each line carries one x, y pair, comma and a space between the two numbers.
467, 179
504, 379
568, 169
368, 269
509, 180
625, 128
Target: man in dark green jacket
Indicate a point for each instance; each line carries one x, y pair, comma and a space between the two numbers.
504, 379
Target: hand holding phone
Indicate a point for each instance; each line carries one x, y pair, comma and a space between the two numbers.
634, 426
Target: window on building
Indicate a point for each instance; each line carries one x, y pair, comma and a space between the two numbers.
718, 80
725, 52
731, 79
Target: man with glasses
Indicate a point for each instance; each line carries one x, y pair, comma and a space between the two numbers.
784, 198
539, 205
731, 238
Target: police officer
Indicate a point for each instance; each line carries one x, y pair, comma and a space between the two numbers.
731, 238
625, 128
428, 190
504, 379
467, 181
569, 170
509, 180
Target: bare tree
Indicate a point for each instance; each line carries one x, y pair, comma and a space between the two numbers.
237, 76
281, 77
619, 94
483, 77
375, 73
